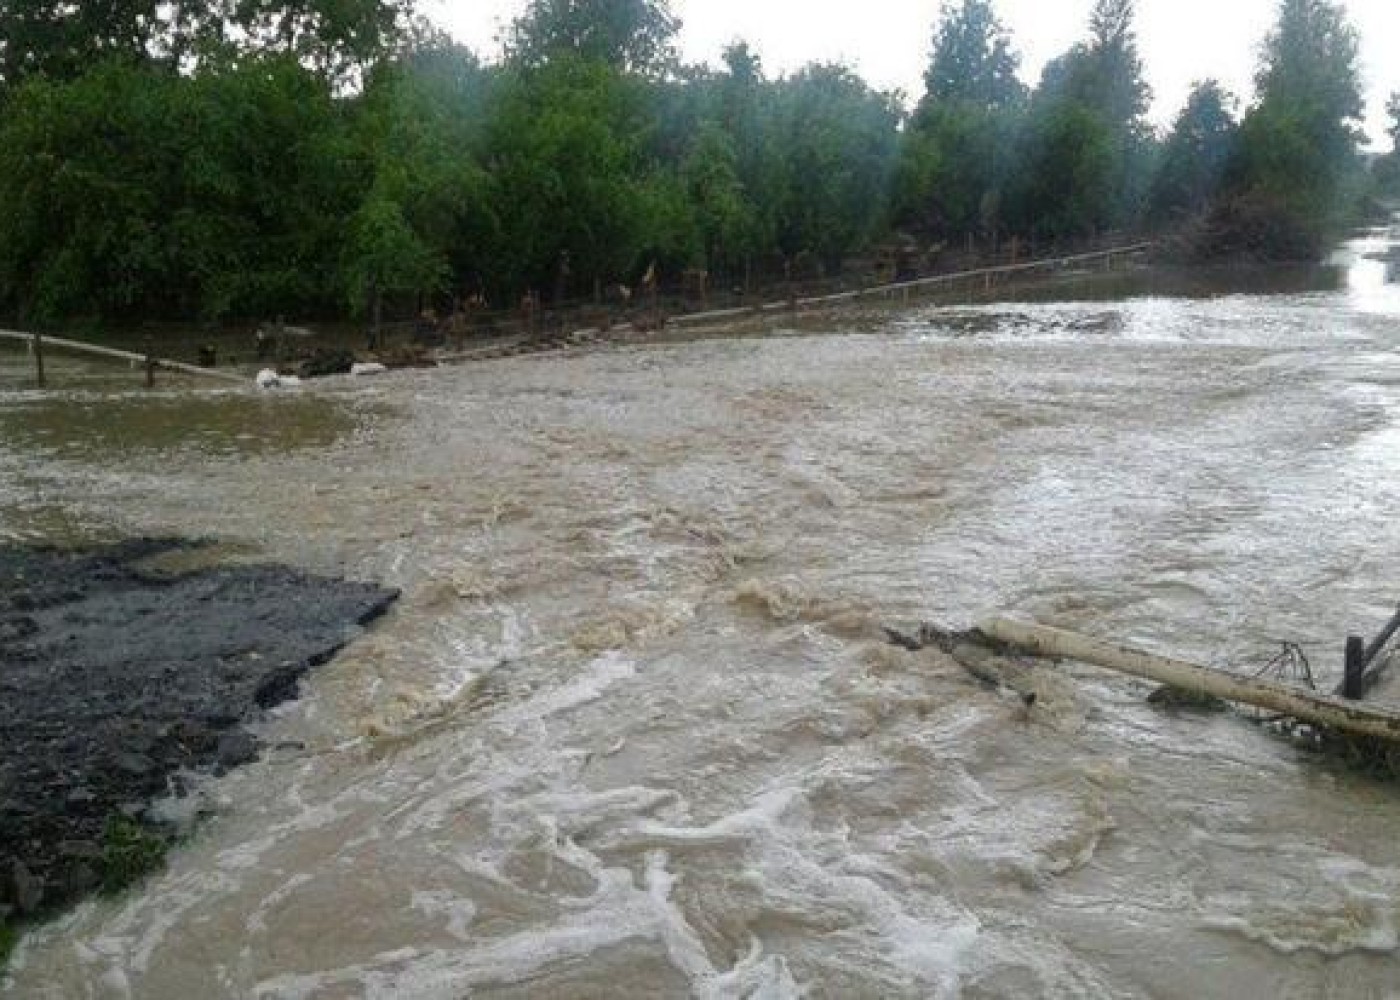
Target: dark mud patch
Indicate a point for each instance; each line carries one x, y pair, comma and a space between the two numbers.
123, 672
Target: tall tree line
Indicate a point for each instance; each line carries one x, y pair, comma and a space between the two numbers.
241, 158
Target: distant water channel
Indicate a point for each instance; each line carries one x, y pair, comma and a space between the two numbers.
634, 730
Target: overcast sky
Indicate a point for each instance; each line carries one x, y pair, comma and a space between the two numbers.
888, 40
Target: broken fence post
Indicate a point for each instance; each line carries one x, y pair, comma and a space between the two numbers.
1354, 680
1382, 640
150, 362
1362, 669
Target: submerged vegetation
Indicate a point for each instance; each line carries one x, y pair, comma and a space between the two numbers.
216, 160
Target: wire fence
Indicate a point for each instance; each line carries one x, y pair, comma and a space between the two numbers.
693, 295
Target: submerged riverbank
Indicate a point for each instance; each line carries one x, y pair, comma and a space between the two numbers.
635, 726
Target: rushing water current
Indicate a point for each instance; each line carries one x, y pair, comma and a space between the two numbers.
635, 731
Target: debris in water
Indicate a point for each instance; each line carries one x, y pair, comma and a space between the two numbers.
269, 379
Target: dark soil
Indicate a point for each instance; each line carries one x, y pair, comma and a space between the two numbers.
117, 680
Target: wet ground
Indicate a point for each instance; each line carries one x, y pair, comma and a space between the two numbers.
128, 672
635, 729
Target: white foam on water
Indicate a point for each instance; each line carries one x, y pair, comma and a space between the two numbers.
755, 977
934, 952
577, 812
762, 817
473, 656
138, 931
458, 912
793, 866
619, 911
506, 786
1347, 907
1041, 834
257, 920
758, 976
592, 683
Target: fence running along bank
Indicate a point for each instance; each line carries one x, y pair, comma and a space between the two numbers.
985, 277
38, 343
532, 342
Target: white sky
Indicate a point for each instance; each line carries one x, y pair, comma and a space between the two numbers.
887, 41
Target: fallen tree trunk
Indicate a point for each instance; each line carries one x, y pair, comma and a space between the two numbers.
1344, 716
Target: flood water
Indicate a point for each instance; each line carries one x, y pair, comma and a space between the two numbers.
635, 732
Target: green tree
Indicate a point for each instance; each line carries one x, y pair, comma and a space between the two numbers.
1302, 134
83, 172
426, 222
743, 64
132, 191
1310, 64
741, 112
743, 96
829, 159
58, 40
1086, 146
633, 36
1296, 160
952, 171
567, 150
1116, 86
1387, 169
952, 157
1196, 153
266, 179
1104, 73
724, 217
1065, 183
337, 38
973, 61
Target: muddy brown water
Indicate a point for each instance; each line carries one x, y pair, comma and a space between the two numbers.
634, 732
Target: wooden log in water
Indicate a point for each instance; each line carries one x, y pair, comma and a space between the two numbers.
1335, 713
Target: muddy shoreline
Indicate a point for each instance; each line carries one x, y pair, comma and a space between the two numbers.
125, 673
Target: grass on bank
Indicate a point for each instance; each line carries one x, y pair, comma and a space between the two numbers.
130, 853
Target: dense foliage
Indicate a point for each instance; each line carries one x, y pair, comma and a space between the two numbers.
1387, 168
1297, 152
245, 158
955, 161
